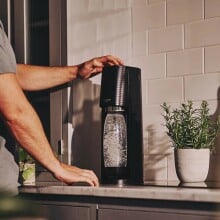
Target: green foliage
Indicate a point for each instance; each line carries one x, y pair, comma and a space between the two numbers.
24, 156
189, 127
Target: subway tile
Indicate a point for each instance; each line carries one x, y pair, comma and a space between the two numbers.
77, 7
110, 27
144, 126
108, 5
137, 3
202, 33
166, 39
158, 141
165, 90
121, 4
95, 5
120, 47
214, 167
144, 93
155, 66
183, 11
202, 87
148, 17
155, 167
82, 29
212, 8
141, 62
212, 55
155, 1
83, 54
171, 171
152, 66
123, 47
93, 51
184, 62
108, 47
152, 117
139, 43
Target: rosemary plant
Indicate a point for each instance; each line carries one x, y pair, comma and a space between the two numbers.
189, 127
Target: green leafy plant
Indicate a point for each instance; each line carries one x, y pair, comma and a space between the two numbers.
24, 156
189, 127
26, 165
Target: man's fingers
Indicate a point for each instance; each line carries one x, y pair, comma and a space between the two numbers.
111, 60
72, 174
91, 174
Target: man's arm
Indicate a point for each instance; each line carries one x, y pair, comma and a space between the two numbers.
32, 78
27, 129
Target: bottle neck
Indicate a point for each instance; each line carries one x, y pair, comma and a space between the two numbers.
114, 109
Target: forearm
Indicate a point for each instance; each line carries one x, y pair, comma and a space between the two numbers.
32, 78
28, 131
24, 123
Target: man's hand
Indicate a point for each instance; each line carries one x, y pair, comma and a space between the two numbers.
71, 174
95, 65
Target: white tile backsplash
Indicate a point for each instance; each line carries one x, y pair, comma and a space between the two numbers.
152, 66
214, 168
165, 90
202, 33
122, 47
113, 25
139, 43
95, 5
119, 4
212, 55
137, 3
183, 11
185, 62
212, 8
176, 43
154, 1
151, 16
166, 39
155, 167
202, 87
83, 29
171, 170
108, 5
156, 64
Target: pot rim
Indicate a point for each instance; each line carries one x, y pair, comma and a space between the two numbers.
191, 149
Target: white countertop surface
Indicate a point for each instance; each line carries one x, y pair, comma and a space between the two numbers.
134, 192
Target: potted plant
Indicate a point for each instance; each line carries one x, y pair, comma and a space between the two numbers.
193, 136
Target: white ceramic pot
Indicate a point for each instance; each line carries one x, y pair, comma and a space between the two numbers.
192, 165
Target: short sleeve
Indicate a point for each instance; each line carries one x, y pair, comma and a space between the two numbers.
7, 56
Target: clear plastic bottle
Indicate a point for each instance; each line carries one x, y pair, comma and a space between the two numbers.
115, 140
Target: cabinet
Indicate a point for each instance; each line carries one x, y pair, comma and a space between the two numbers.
118, 214
65, 212
104, 208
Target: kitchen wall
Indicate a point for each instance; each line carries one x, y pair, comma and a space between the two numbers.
176, 43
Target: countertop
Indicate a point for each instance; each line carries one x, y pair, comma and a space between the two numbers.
176, 193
